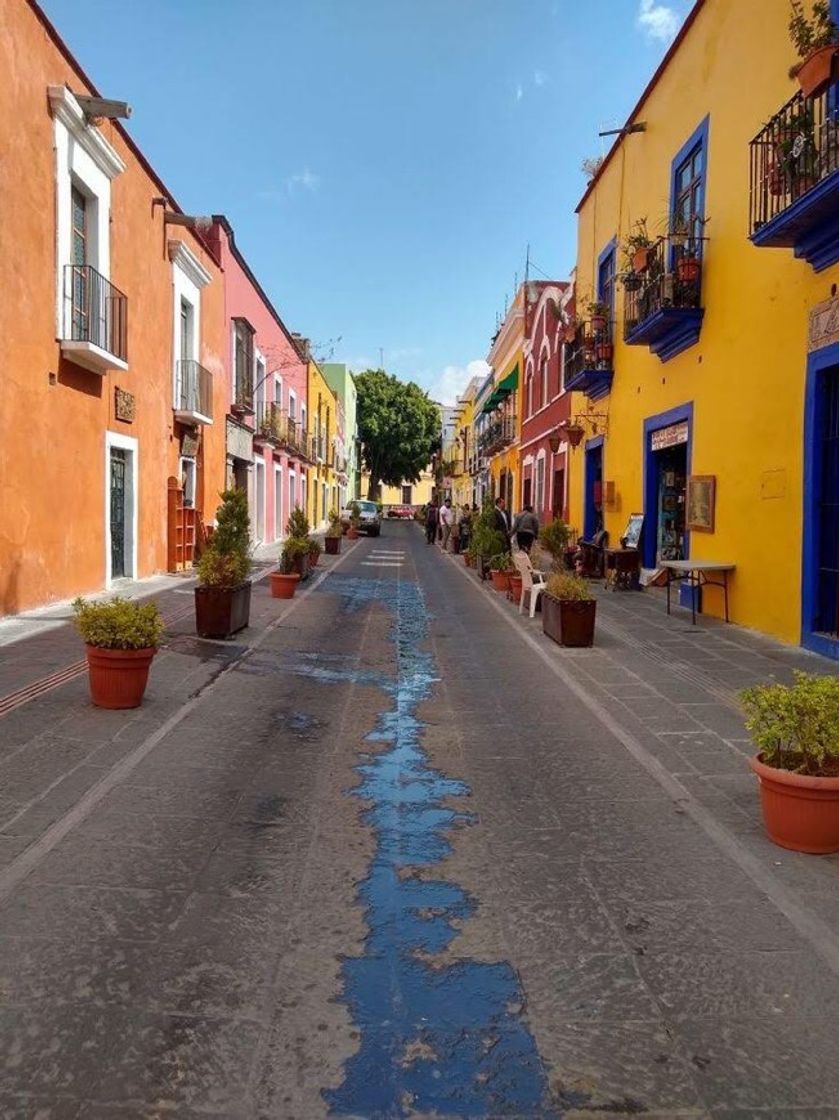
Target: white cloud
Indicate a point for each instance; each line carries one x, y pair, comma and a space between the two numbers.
657, 21
306, 180
540, 78
519, 92
447, 386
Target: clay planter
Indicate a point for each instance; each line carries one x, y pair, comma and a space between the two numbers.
641, 259
569, 622
816, 70
799, 812
352, 534
598, 323
283, 585
118, 677
333, 545
687, 269
221, 612
515, 588
500, 580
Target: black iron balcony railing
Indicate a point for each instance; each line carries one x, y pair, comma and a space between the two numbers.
591, 350
791, 155
275, 426
671, 280
499, 433
194, 391
95, 311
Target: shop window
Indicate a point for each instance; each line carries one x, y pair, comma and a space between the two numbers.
540, 485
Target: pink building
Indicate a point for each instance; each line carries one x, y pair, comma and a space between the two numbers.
268, 451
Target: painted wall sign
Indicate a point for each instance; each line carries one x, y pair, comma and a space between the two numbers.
124, 405
669, 437
239, 441
824, 324
189, 444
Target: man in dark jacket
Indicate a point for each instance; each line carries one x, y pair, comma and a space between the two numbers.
502, 521
431, 515
526, 528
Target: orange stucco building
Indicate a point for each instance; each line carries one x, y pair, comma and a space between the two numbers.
113, 320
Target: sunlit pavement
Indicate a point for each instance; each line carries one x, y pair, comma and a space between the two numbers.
393, 853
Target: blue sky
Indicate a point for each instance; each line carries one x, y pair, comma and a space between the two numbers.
384, 162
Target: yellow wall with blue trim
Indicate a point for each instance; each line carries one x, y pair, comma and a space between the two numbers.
746, 375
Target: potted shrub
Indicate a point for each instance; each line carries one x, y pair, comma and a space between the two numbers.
568, 610
598, 312
121, 638
637, 246
315, 550
500, 567
796, 731
817, 41
223, 597
334, 532
631, 280
285, 580
355, 521
468, 558
487, 541
296, 551
554, 539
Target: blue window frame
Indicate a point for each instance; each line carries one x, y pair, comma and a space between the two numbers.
606, 276
688, 175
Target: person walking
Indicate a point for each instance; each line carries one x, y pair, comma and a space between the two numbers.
502, 521
446, 522
431, 516
526, 528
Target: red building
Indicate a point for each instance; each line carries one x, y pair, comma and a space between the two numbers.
545, 404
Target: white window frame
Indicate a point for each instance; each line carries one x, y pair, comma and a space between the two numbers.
278, 502
539, 483
259, 465
130, 444
292, 492
260, 380
278, 391
188, 278
292, 404
186, 465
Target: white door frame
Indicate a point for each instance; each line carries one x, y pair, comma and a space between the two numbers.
124, 443
260, 508
278, 502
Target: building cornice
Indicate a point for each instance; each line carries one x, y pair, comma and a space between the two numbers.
181, 255
66, 109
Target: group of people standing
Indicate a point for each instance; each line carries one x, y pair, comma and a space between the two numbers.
452, 525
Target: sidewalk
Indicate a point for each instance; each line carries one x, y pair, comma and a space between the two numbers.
672, 688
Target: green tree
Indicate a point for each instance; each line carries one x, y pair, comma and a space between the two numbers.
399, 429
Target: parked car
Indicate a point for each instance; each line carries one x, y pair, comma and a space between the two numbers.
371, 518
405, 513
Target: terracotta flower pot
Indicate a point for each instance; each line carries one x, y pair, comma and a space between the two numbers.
598, 323
333, 545
118, 677
687, 269
799, 811
816, 70
641, 259
352, 533
500, 580
283, 585
301, 565
221, 612
515, 588
569, 622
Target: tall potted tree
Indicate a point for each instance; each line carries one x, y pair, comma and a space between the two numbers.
297, 530
332, 540
223, 596
121, 638
796, 731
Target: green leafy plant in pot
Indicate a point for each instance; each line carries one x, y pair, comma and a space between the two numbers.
568, 610
487, 541
315, 550
355, 520
553, 538
816, 41
285, 580
297, 530
223, 597
500, 567
121, 638
334, 532
796, 731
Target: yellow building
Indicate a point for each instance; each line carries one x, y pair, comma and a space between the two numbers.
711, 405
322, 494
464, 451
406, 494
497, 423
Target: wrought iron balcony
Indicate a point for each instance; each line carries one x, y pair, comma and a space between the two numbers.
589, 358
276, 427
95, 320
663, 304
193, 393
794, 199
497, 435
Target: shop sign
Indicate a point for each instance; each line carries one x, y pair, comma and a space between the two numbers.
124, 405
669, 437
239, 441
189, 445
824, 324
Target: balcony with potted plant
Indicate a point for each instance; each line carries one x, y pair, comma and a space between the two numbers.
663, 303
589, 358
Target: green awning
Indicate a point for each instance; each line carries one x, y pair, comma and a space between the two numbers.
502, 390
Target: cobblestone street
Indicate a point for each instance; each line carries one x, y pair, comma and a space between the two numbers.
393, 853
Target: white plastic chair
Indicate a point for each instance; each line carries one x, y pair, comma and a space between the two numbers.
532, 580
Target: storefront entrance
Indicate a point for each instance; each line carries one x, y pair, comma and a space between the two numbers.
593, 512
666, 468
820, 576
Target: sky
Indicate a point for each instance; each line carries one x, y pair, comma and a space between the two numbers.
384, 163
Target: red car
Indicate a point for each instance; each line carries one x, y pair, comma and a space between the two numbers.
401, 511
